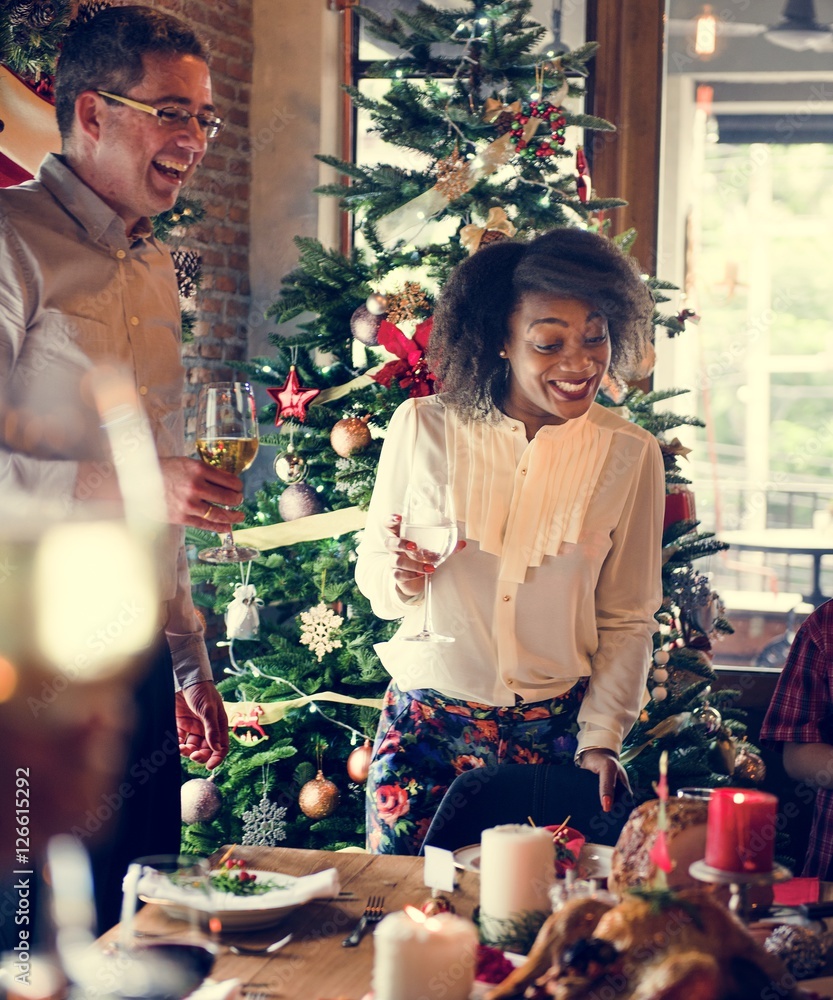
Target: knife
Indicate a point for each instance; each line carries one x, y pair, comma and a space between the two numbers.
353, 939
809, 911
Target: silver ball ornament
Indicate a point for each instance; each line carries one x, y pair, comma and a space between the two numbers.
299, 500
290, 467
708, 717
364, 326
661, 657
200, 801
659, 693
660, 675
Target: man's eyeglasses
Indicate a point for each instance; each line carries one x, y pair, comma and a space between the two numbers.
175, 117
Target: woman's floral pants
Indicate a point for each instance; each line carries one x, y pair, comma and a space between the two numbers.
425, 740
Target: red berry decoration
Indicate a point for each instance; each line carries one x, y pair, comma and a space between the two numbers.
538, 147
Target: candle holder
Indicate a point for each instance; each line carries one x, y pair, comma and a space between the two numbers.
739, 883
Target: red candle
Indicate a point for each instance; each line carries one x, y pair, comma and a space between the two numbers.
740, 836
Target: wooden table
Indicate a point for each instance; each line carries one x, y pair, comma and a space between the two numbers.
314, 966
798, 541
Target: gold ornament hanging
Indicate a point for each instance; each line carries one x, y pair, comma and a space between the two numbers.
318, 798
453, 177
350, 435
358, 763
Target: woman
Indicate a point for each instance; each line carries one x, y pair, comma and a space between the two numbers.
551, 595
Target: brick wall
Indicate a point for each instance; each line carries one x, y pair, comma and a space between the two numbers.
222, 185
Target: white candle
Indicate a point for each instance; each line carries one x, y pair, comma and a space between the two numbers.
423, 958
517, 870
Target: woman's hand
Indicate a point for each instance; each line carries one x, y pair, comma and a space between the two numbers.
409, 571
606, 764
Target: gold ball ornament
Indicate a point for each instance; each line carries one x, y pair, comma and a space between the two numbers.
349, 436
749, 766
318, 798
376, 304
358, 763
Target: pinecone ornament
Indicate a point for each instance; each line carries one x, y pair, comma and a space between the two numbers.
42, 15
19, 13
87, 11
188, 266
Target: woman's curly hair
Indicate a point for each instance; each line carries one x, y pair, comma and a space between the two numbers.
471, 320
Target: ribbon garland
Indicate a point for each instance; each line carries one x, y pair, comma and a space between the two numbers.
314, 528
275, 711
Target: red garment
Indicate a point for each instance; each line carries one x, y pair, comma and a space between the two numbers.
801, 711
11, 173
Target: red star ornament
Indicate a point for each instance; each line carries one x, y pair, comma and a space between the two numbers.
291, 398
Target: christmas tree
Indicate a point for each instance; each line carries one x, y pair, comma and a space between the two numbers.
491, 124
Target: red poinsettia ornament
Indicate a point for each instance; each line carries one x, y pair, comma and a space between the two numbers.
411, 370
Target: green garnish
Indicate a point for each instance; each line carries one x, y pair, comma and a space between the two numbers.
230, 881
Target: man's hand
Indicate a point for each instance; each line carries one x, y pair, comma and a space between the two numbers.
606, 764
192, 489
201, 724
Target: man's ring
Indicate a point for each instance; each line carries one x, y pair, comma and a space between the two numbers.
207, 511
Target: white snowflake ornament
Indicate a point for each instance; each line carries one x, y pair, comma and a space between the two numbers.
317, 627
263, 825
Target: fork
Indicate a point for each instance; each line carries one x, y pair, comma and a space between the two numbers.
373, 913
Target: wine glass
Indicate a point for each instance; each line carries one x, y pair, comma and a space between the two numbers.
172, 960
227, 439
428, 521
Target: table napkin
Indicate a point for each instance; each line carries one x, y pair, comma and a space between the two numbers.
293, 892
210, 989
796, 891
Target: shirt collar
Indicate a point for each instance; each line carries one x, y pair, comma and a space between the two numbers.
101, 222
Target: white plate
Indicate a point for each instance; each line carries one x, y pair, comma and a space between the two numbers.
593, 861
246, 912
468, 858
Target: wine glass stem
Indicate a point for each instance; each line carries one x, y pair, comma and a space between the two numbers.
427, 621
228, 541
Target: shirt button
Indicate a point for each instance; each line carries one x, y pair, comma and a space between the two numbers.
121, 254
134, 320
523, 472
143, 390
506, 597
510, 683
514, 427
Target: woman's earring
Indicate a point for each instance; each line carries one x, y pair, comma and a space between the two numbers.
501, 354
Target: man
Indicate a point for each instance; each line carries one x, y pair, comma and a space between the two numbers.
83, 283
800, 720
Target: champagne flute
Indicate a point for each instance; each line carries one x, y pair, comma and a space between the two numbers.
428, 521
227, 439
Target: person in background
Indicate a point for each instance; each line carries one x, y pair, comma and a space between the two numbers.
551, 593
84, 283
799, 720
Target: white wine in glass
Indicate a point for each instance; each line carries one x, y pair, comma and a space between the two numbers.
227, 439
428, 521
